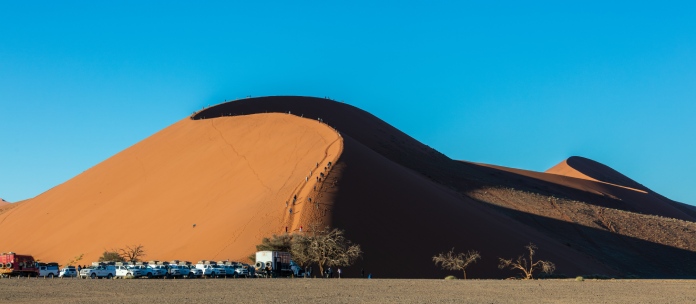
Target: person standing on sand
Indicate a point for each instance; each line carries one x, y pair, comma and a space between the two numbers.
339, 273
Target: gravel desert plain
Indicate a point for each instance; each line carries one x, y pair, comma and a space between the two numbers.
345, 291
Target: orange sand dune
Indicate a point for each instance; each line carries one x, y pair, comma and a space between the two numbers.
210, 187
580, 167
230, 177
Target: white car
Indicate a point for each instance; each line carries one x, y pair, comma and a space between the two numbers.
98, 271
159, 271
128, 271
242, 270
194, 272
181, 271
211, 270
49, 270
68, 272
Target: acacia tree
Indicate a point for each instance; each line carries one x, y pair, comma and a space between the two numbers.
459, 261
325, 248
132, 253
528, 267
300, 249
281, 242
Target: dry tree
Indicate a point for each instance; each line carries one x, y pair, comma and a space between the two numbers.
460, 261
528, 267
132, 253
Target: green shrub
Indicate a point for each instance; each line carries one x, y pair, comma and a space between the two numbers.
579, 278
597, 277
451, 277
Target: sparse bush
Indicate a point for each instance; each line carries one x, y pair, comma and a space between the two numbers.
450, 277
579, 278
528, 267
597, 277
460, 261
111, 256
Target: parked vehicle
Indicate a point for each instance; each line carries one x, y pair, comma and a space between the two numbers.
179, 271
48, 270
273, 263
99, 270
125, 270
210, 269
297, 271
12, 264
68, 272
194, 272
159, 271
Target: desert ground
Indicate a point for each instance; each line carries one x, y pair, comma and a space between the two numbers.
32, 290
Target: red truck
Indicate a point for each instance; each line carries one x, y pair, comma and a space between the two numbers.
12, 264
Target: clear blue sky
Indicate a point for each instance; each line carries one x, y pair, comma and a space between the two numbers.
519, 85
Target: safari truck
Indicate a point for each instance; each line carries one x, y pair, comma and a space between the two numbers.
273, 263
12, 264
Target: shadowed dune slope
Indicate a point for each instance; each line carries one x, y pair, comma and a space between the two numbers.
402, 219
228, 176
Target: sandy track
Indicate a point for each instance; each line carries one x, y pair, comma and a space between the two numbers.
346, 291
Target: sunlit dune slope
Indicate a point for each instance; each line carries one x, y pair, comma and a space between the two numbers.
199, 189
580, 167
